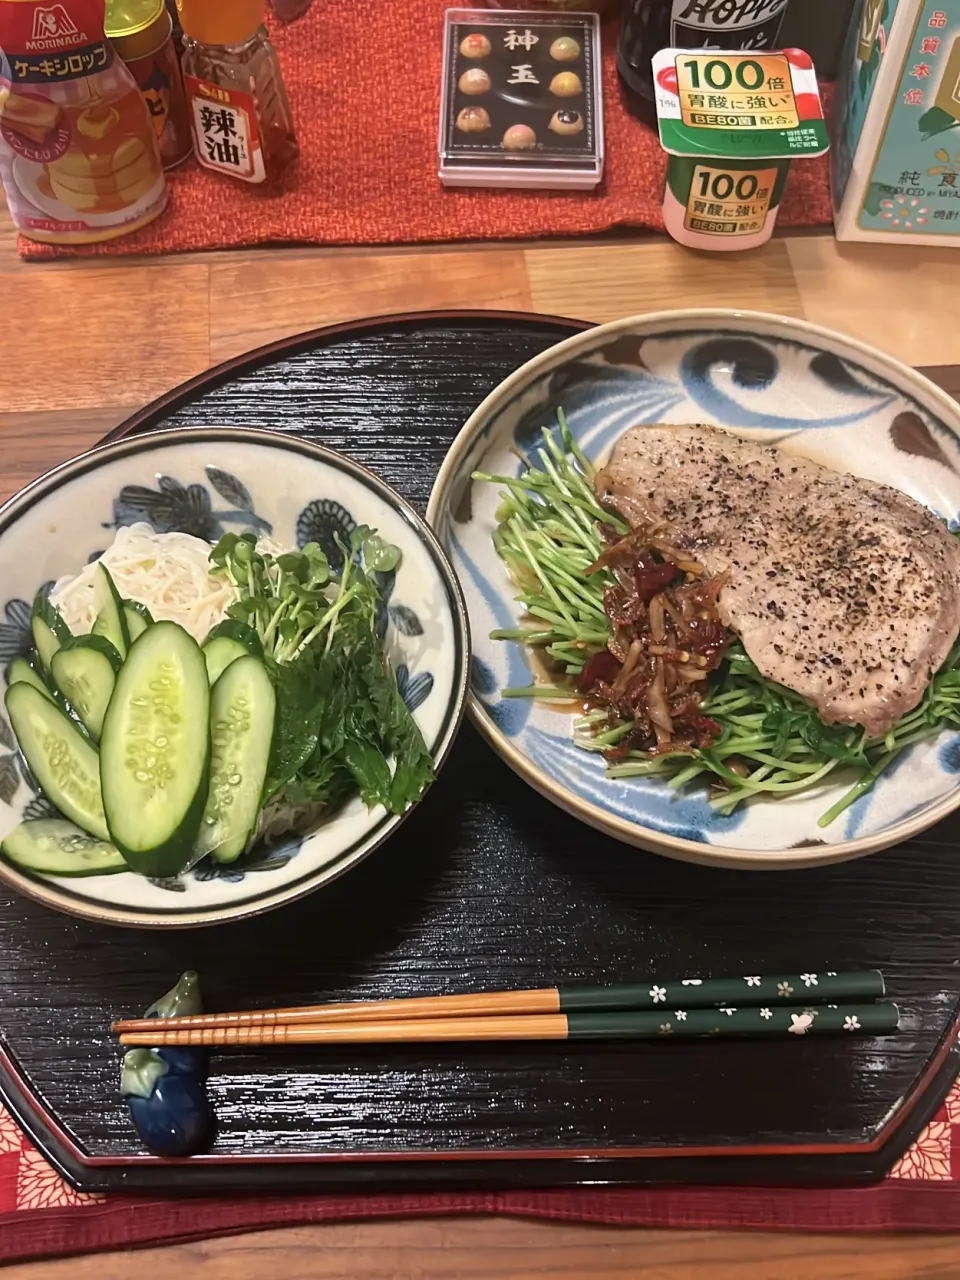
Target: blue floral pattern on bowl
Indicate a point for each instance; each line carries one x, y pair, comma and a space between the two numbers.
173, 507
270, 486
769, 379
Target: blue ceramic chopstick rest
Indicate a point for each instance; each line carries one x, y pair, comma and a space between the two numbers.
164, 1088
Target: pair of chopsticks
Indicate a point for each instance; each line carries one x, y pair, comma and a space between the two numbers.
752, 1005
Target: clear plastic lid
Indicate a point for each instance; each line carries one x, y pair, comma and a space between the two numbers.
757, 105
521, 102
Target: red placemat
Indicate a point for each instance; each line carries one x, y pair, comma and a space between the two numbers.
41, 1216
364, 83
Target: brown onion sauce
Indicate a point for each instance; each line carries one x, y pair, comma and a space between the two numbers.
665, 638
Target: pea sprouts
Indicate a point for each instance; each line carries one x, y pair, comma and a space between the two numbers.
772, 742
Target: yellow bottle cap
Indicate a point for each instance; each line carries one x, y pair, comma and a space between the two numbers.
129, 17
220, 21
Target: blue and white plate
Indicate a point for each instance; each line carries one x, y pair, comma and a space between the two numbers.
208, 482
767, 378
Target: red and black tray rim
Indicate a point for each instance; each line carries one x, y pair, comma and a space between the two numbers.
786, 1162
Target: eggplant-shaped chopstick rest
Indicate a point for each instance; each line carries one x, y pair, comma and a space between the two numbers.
164, 1087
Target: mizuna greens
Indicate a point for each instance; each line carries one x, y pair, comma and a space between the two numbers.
340, 719
770, 741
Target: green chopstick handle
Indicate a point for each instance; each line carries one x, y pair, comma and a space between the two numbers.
702, 993
760, 1020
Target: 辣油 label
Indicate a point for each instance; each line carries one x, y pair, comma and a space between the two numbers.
225, 130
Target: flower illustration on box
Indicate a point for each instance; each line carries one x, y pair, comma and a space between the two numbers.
904, 211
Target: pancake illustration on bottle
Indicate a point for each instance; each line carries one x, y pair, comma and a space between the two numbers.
78, 152
109, 171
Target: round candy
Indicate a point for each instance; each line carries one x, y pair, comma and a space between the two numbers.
519, 137
473, 120
567, 122
475, 45
564, 49
474, 81
566, 84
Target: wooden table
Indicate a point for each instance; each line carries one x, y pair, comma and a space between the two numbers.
85, 342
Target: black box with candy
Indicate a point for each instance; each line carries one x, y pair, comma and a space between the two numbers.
522, 101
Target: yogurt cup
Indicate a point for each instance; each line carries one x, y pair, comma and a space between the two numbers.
722, 205
731, 123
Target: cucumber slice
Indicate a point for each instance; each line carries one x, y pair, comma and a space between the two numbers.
242, 709
219, 653
85, 671
99, 644
139, 607
62, 760
111, 622
228, 641
155, 751
20, 671
43, 607
53, 847
136, 621
237, 630
44, 641
48, 629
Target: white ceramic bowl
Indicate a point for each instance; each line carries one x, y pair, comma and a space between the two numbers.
206, 482
767, 378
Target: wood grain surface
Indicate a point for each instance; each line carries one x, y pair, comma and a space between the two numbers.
84, 343
503, 1249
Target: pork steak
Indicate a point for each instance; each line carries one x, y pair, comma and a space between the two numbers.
842, 589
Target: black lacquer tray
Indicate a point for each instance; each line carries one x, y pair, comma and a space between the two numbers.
487, 885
